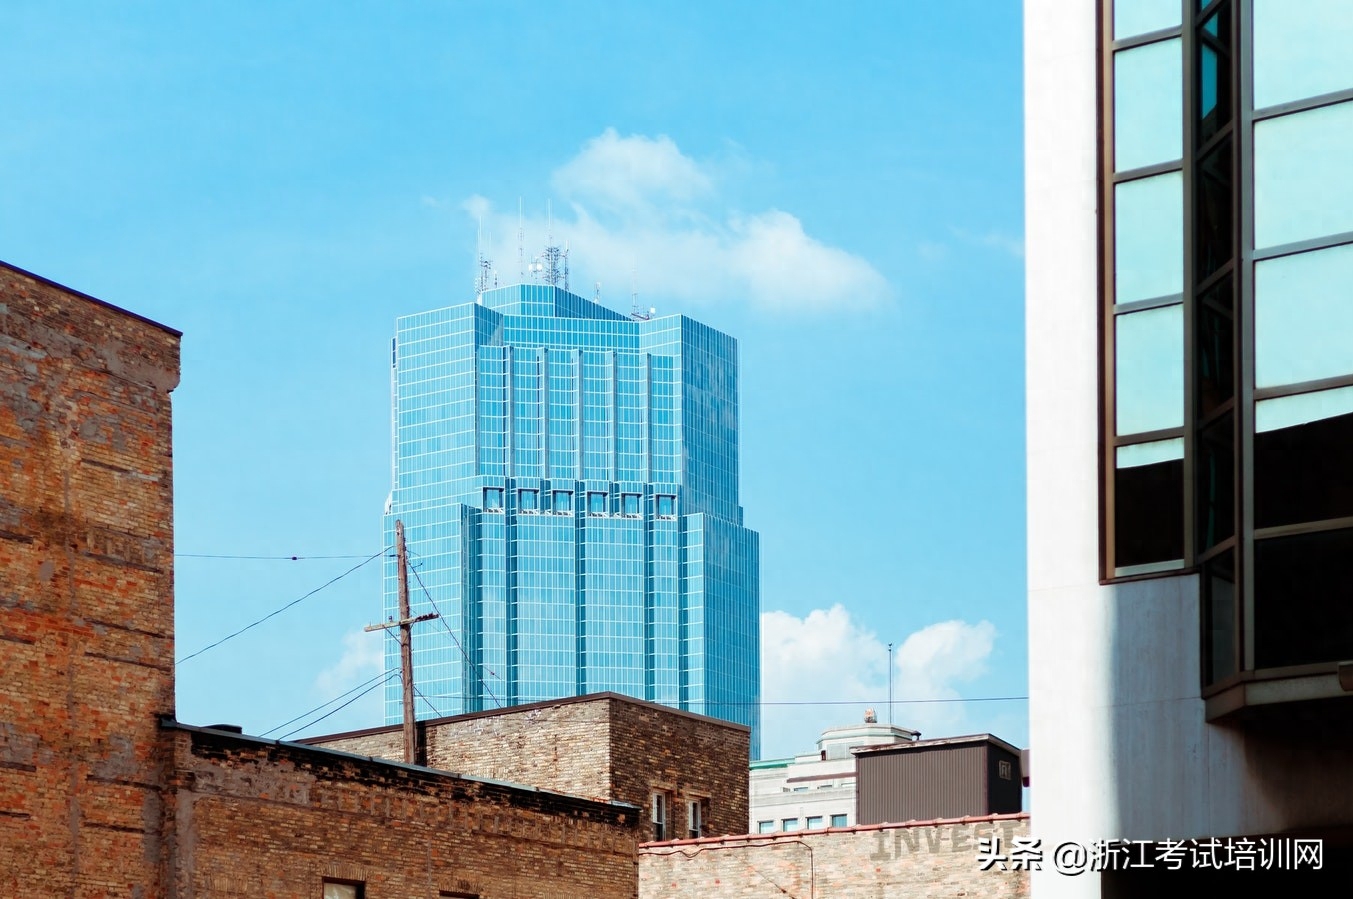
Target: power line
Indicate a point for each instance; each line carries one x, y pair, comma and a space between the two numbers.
473, 667
387, 679
264, 558
865, 702
436, 710
284, 608
385, 673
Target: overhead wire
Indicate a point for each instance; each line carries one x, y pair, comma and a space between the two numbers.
276, 612
385, 680
473, 667
264, 558
385, 673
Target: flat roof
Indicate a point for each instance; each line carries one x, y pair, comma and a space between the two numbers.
515, 709
84, 296
167, 722
935, 744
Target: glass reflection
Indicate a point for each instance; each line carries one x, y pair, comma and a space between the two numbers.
1149, 237
1303, 185
1149, 372
1300, 50
1303, 314
1147, 105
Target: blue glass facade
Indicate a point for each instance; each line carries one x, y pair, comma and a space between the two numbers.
567, 477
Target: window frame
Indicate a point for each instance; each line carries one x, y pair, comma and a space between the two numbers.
359, 886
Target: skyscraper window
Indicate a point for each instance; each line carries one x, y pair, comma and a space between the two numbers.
535, 395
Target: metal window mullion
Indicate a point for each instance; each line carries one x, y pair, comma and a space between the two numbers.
1243, 18
1190, 166
1107, 387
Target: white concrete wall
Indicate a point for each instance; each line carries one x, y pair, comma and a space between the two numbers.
1120, 745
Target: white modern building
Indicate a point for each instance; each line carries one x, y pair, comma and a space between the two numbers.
816, 789
1189, 230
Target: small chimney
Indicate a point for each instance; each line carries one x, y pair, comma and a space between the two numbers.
870, 717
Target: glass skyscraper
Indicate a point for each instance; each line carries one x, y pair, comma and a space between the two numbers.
567, 478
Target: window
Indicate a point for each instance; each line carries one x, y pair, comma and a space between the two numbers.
666, 506
814, 822
596, 502
695, 817
527, 500
659, 816
839, 821
629, 504
343, 889
563, 501
790, 824
765, 827
493, 499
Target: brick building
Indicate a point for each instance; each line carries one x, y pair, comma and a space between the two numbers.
687, 772
919, 859
102, 792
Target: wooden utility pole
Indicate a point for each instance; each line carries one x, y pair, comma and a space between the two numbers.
405, 625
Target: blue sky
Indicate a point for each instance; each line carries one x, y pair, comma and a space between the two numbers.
839, 187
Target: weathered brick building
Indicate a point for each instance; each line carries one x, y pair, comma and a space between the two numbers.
102, 792
690, 768
86, 593
937, 859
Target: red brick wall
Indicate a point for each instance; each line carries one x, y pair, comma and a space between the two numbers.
918, 861
86, 592
256, 819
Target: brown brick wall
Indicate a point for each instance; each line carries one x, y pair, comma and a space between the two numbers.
934, 861
86, 592
689, 757
603, 746
258, 819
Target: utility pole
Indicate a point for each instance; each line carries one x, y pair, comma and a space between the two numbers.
405, 625
890, 684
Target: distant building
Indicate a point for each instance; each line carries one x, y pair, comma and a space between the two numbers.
937, 859
567, 477
816, 789
687, 772
946, 778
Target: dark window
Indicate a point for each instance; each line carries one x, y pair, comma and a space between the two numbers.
1214, 241
1301, 472
493, 498
1216, 349
526, 500
666, 506
563, 500
343, 889
630, 503
658, 815
1214, 478
1149, 513
1303, 599
1219, 617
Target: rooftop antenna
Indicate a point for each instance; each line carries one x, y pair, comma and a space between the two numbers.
636, 312
547, 265
596, 297
483, 266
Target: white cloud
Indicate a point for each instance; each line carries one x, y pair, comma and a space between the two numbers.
638, 208
631, 172
363, 658
826, 656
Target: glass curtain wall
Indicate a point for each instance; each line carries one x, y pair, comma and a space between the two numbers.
1228, 311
